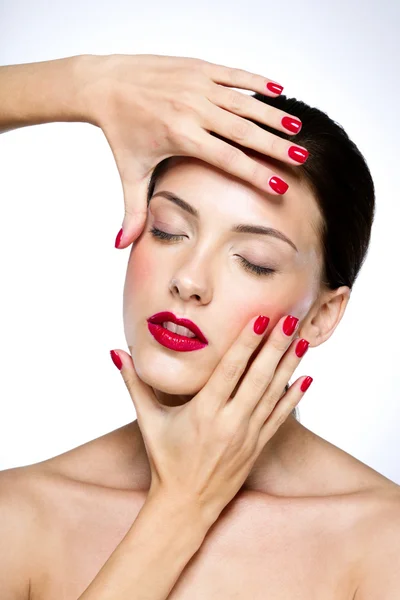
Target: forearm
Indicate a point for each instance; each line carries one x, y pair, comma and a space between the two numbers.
151, 557
44, 92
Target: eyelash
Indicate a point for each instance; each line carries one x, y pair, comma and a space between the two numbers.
257, 270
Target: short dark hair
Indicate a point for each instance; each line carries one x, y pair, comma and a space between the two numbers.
339, 177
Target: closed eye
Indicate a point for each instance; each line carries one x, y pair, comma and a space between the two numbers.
256, 269
157, 233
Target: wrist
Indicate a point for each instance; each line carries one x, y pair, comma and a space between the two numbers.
48, 91
185, 515
89, 88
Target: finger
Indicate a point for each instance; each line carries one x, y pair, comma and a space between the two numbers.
241, 79
283, 409
135, 195
134, 184
236, 162
246, 133
142, 395
283, 373
251, 108
262, 370
227, 373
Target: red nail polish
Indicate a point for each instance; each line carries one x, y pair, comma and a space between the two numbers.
298, 154
118, 238
292, 125
261, 324
289, 325
116, 359
274, 87
306, 384
278, 185
301, 347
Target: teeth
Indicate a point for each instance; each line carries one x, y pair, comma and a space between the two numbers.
178, 329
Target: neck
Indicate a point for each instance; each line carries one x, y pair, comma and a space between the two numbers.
280, 467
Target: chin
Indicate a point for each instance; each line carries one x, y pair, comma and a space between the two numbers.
167, 373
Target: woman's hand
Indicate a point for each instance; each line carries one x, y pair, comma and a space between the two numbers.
151, 107
204, 450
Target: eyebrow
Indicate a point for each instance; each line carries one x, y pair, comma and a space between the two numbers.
239, 228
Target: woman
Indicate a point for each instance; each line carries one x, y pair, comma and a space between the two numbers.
217, 490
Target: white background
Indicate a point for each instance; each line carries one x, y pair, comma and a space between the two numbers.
62, 206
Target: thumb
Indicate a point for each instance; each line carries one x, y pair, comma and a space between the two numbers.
143, 397
135, 200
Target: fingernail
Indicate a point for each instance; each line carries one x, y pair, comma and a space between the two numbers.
261, 324
306, 384
274, 87
298, 154
289, 325
291, 124
116, 359
301, 347
278, 185
118, 238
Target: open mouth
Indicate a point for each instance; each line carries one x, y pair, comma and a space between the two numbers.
182, 327
173, 340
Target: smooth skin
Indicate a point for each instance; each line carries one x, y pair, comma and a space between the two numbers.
152, 107
200, 454
61, 491
204, 450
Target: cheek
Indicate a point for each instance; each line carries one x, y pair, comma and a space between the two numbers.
293, 298
140, 281
142, 268
241, 310
246, 302
140, 285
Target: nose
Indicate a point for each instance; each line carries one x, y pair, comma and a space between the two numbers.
186, 288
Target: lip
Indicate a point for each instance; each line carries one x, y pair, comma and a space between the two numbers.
161, 317
174, 341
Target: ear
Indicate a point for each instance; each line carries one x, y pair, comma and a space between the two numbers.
325, 315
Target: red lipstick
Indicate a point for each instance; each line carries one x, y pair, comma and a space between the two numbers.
175, 341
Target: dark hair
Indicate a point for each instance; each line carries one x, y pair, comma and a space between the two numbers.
341, 182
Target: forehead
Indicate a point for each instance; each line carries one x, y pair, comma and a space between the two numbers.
209, 188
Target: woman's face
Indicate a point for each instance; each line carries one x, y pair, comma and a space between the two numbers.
201, 276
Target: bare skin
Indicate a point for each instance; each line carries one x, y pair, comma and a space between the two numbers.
300, 524
302, 535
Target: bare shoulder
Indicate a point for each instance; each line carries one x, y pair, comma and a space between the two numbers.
379, 510
369, 519
35, 500
379, 567
18, 522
